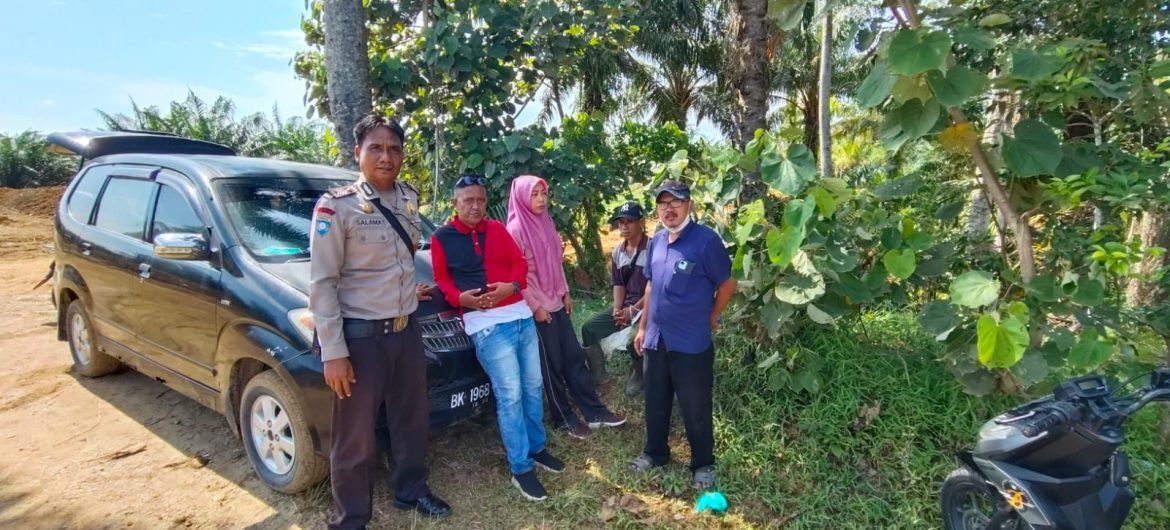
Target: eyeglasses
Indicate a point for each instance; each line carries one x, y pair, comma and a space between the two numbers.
671, 204
471, 180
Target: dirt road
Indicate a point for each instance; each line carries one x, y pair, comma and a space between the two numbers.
124, 451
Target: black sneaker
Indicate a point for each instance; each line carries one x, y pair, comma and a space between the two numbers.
548, 461
608, 419
530, 486
578, 430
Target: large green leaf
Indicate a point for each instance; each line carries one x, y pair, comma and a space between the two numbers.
1035, 149
908, 88
803, 287
994, 19
786, 13
818, 315
876, 87
1001, 343
1089, 293
939, 318
974, 289
898, 188
1090, 351
956, 86
850, 286
1032, 368
783, 244
950, 211
791, 172
918, 118
1079, 157
1044, 288
974, 38
900, 262
1031, 65
916, 51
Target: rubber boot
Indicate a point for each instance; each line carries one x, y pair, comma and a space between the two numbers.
637, 379
595, 360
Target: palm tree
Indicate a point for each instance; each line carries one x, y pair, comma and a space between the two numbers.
25, 161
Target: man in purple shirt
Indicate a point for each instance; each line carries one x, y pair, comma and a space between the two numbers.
690, 284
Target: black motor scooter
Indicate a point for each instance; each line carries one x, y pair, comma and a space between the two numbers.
1053, 463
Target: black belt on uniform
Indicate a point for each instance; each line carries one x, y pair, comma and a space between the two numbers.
356, 328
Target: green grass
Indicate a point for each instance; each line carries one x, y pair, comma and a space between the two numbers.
784, 459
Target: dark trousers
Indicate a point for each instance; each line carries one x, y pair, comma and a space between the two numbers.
598, 327
389, 368
690, 376
565, 374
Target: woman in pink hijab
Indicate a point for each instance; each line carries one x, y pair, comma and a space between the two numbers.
565, 373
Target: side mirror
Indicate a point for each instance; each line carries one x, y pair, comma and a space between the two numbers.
185, 247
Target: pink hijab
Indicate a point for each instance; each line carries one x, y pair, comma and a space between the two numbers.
538, 233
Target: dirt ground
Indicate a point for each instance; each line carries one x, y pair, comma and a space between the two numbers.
124, 451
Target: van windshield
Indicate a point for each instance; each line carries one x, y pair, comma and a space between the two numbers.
272, 216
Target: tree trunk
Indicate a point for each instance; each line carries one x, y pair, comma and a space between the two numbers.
749, 78
347, 69
810, 107
824, 84
1153, 230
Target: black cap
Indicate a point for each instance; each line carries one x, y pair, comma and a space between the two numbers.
673, 187
629, 210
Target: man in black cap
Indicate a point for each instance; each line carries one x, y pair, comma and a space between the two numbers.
629, 287
690, 284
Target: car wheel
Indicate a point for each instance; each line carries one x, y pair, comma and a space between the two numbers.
276, 436
86, 358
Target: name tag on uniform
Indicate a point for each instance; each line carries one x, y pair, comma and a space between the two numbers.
683, 266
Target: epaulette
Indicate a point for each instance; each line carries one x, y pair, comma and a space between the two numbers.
408, 186
343, 191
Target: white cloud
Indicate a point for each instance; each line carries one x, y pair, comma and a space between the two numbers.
48, 102
273, 44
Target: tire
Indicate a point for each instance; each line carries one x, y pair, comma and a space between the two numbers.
276, 436
968, 504
87, 360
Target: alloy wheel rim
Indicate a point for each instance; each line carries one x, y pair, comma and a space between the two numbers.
79, 336
272, 435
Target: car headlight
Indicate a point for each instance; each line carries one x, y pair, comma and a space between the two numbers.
302, 319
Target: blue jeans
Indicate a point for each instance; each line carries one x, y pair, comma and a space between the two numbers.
510, 354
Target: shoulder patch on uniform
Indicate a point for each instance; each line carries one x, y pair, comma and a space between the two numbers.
343, 191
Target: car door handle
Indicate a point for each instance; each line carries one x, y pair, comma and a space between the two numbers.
86, 248
144, 271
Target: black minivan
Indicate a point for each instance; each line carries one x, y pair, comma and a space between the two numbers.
190, 264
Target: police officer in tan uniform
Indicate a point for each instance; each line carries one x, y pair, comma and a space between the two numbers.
362, 297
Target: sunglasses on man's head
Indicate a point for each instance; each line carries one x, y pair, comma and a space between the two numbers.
471, 180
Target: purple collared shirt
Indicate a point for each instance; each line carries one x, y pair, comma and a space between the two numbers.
684, 276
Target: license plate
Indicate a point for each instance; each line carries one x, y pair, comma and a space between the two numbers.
473, 396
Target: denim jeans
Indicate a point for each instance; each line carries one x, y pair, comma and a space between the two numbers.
510, 354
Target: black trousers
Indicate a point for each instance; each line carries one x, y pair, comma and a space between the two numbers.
565, 374
690, 376
599, 326
389, 368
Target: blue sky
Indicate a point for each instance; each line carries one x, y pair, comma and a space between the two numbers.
63, 59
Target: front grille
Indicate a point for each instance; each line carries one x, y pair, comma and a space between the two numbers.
444, 335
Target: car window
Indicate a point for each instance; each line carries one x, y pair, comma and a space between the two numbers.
85, 193
173, 214
271, 216
124, 206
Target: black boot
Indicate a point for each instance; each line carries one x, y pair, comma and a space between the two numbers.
595, 359
637, 380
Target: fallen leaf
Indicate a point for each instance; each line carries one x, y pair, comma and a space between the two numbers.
607, 513
867, 415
